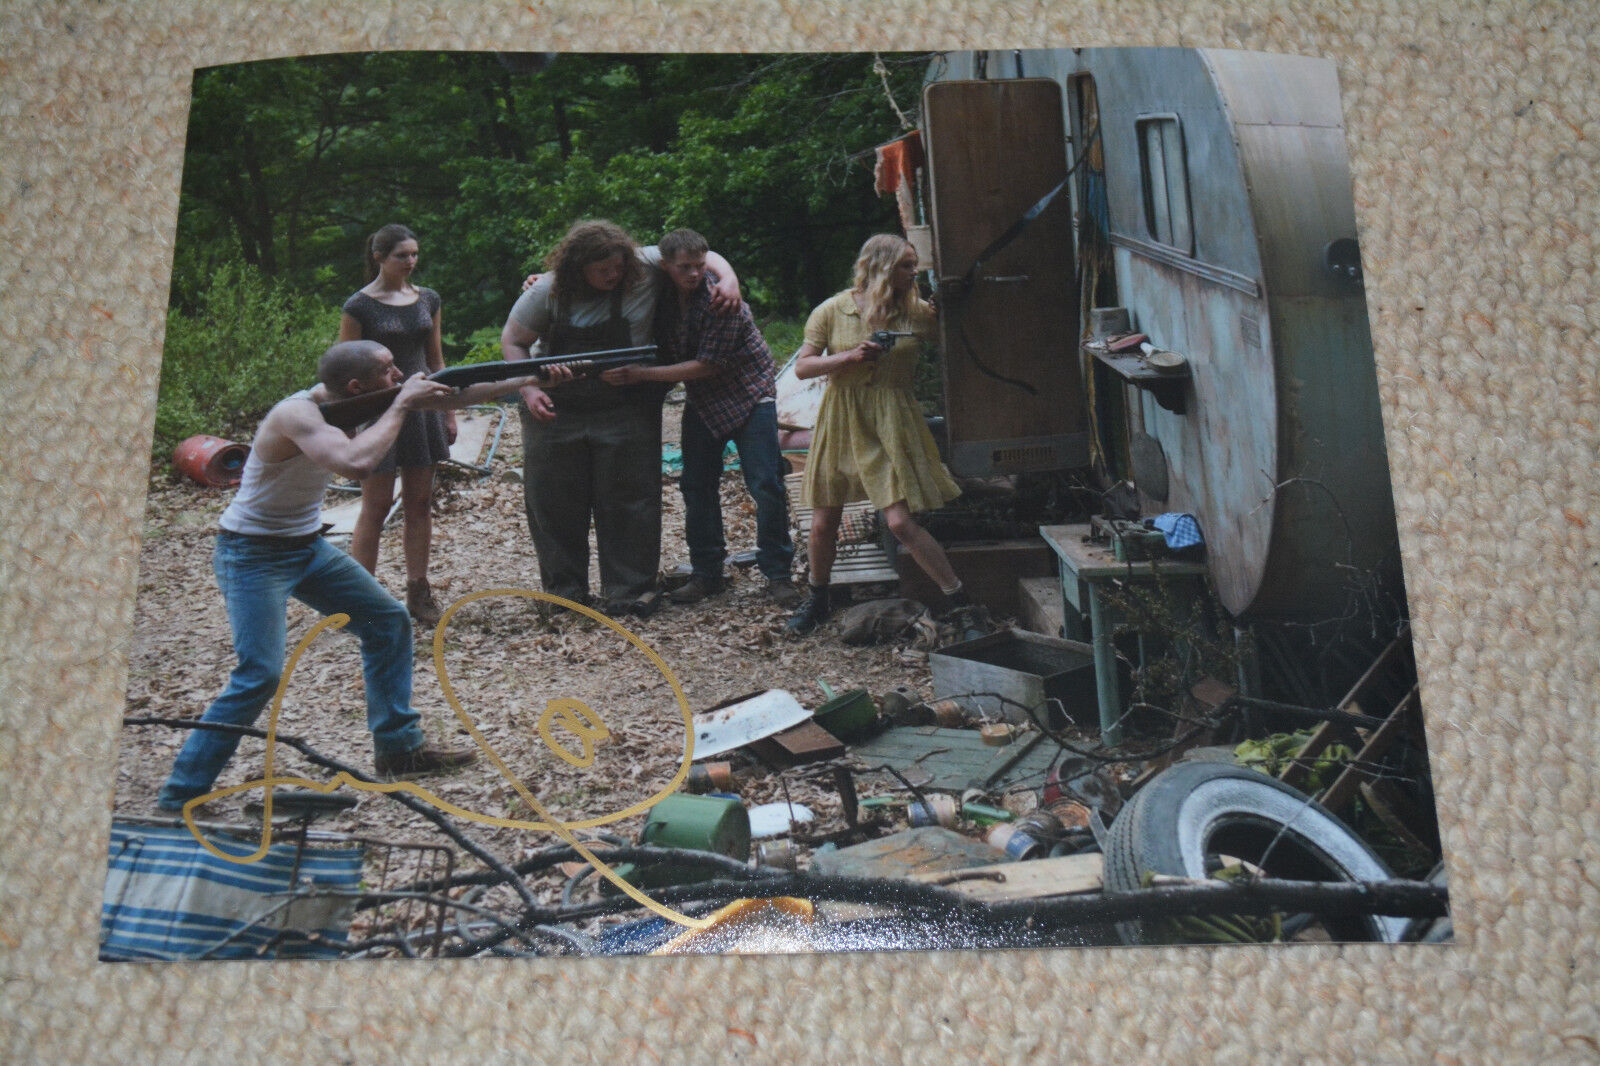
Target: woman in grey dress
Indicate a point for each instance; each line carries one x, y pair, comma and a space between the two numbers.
405, 319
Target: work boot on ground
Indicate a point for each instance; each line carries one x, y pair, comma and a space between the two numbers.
420, 762
781, 591
811, 613
698, 588
421, 604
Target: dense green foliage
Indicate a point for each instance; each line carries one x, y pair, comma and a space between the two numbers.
291, 163
246, 343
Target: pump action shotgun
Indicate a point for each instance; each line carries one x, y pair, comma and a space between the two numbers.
357, 410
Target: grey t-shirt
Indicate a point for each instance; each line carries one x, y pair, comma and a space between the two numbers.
535, 308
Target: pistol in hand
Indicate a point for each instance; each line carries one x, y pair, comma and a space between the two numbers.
887, 338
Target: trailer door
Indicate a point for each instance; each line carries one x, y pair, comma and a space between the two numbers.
1012, 377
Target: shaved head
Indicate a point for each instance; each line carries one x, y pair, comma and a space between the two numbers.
348, 361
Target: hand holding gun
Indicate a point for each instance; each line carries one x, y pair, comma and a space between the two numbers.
357, 410
887, 338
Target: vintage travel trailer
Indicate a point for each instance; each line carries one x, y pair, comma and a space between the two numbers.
1207, 193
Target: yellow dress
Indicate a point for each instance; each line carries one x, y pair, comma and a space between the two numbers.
871, 441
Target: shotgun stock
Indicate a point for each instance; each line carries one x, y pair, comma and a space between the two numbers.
358, 410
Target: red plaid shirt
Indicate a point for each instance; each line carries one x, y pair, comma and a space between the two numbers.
732, 344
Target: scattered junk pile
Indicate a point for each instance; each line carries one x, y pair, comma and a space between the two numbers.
1199, 721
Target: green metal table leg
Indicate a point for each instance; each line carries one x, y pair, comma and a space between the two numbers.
1105, 670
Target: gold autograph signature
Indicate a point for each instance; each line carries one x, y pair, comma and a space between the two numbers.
579, 719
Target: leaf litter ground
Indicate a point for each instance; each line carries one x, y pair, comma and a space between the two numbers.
504, 662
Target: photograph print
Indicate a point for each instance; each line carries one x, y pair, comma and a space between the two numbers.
685, 503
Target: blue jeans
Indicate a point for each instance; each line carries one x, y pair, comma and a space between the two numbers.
256, 581
762, 463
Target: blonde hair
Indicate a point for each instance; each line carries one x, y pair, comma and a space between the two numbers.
874, 281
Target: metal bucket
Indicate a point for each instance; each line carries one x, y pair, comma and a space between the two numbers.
847, 715
211, 461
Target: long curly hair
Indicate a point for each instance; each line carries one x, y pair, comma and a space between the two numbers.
591, 241
874, 281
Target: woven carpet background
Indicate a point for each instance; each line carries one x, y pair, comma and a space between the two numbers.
1475, 135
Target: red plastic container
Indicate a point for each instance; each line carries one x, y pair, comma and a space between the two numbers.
211, 461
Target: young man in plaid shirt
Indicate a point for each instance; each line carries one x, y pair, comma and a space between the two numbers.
730, 379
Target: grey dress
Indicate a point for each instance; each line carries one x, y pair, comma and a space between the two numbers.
405, 332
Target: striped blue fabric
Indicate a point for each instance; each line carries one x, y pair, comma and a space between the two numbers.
169, 898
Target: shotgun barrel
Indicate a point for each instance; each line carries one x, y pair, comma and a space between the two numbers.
357, 410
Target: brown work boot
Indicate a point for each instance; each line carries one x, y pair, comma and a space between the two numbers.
698, 588
428, 759
781, 591
420, 603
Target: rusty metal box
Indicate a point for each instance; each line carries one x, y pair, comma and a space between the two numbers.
1026, 669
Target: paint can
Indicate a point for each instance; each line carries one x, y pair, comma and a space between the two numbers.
1029, 838
211, 461
1071, 814
710, 777
940, 809
1108, 322
1009, 838
704, 823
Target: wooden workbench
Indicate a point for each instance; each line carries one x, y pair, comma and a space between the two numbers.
1087, 568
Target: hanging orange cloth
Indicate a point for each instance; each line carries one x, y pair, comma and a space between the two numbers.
896, 173
898, 162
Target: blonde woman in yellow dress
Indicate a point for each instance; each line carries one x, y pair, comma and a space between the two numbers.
871, 441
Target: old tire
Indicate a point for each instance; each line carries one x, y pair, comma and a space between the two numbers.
1196, 810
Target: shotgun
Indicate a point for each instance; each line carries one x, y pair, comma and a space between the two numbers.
363, 408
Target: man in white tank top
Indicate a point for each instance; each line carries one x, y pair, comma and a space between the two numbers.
271, 548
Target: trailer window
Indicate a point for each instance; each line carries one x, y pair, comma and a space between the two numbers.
1166, 182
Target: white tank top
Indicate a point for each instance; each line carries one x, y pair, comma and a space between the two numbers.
282, 499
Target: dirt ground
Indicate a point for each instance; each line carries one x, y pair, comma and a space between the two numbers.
503, 661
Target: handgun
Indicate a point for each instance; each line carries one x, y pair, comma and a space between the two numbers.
885, 338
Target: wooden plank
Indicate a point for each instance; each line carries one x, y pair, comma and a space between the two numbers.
988, 569
995, 148
1065, 875
1382, 662
1410, 825
1331, 732
953, 758
472, 433
1091, 561
926, 849
342, 516
1324, 735
1042, 607
806, 742
1382, 739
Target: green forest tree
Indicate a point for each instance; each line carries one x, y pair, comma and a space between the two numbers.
489, 158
